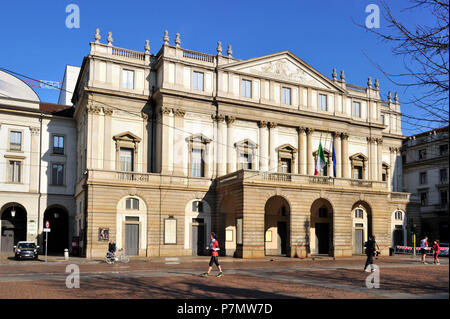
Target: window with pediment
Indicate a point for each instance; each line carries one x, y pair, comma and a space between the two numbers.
286, 158
198, 155
246, 152
126, 151
359, 163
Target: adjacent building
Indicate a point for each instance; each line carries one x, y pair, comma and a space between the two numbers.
425, 172
175, 144
37, 167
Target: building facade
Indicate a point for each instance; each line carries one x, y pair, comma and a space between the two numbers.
425, 172
179, 143
37, 179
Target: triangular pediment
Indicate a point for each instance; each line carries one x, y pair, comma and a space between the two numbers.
127, 136
284, 66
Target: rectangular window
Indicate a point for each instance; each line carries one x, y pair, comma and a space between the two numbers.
443, 175
286, 165
382, 119
356, 109
198, 81
423, 198
15, 141
422, 154
15, 171
423, 178
197, 206
444, 199
58, 144
246, 88
357, 172
132, 203
127, 79
245, 161
198, 165
126, 159
57, 174
443, 150
286, 96
323, 102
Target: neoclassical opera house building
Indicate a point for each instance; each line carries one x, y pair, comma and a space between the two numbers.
179, 143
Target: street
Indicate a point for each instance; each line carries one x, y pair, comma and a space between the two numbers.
274, 278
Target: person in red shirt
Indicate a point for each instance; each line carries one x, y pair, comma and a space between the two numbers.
214, 247
436, 252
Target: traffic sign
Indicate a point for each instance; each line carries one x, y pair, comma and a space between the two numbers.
47, 224
46, 230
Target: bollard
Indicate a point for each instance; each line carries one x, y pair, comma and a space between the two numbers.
66, 254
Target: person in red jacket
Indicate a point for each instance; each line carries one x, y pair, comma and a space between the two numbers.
436, 252
214, 247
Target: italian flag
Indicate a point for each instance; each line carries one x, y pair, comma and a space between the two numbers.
320, 160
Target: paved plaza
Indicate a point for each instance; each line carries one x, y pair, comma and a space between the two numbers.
400, 277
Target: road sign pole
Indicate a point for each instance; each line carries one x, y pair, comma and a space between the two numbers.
414, 244
46, 241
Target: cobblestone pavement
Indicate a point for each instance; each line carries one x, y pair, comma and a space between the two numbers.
400, 277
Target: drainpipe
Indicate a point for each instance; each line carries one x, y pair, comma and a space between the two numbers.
39, 179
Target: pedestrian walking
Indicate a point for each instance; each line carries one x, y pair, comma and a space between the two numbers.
436, 252
370, 252
423, 251
214, 248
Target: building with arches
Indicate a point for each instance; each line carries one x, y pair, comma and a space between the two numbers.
37, 168
175, 144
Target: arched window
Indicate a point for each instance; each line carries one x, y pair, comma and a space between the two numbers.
132, 203
197, 206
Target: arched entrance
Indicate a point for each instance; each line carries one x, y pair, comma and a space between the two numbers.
321, 228
361, 226
277, 226
58, 237
13, 226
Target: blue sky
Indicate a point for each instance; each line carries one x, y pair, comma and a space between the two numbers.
36, 42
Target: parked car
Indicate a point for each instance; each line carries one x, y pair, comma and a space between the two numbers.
26, 249
441, 251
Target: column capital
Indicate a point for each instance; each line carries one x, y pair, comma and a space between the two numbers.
263, 124
218, 117
344, 135
230, 119
108, 111
379, 140
309, 130
179, 112
34, 130
394, 149
144, 116
272, 124
301, 129
371, 139
337, 134
93, 108
165, 110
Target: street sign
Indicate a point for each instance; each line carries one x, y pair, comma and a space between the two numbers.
46, 230
47, 224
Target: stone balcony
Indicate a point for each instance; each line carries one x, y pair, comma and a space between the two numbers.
249, 177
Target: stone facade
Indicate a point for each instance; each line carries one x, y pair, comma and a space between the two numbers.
209, 142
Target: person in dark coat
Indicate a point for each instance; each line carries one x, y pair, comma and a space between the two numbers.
370, 252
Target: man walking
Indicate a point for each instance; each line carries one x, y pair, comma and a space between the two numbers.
423, 245
370, 251
214, 247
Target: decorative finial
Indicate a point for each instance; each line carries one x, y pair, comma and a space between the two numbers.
389, 96
342, 76
177, 40
147, 46
229, 51
166, 37
219, 48
396, 97
377, 84
334, 74
110, 38
369, 82
97, 36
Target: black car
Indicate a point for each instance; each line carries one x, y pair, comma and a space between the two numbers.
26, 249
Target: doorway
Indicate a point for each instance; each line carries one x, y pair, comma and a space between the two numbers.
281, 240
359, 241
198, 238
322, 238
13, 226
132, 239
